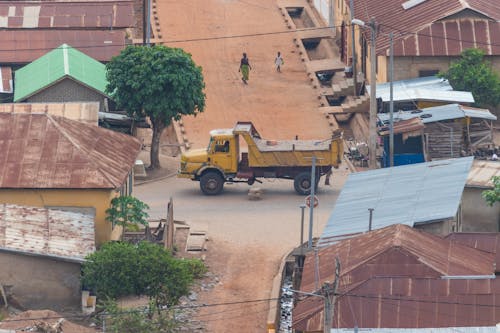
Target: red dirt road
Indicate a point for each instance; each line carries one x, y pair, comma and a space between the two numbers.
281, 105
246, 247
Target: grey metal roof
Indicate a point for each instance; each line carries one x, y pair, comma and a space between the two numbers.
46, 232
422, 88
439, 113
408, 194
419, 330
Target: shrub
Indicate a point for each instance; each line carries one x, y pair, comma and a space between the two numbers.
120, 269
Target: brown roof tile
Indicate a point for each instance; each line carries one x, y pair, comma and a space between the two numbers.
44, 151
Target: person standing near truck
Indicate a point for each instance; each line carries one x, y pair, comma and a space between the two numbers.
245, 68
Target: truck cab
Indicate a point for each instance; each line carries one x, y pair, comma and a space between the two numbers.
213, 165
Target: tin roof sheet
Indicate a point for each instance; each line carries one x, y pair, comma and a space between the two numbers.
24, 46
420, 303
484, 241
429, 88
490, 329
6, 80
47, 232
433, 27
64, 61
44, 151
85, 112
398, 266
439, 113
66, 14
482, 172
408, 194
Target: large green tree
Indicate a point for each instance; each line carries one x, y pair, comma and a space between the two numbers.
472, 73
160, 82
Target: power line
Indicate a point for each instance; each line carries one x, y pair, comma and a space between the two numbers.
177, 307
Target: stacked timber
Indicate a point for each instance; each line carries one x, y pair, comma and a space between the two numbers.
444, 139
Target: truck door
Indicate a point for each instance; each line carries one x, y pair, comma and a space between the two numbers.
222, 154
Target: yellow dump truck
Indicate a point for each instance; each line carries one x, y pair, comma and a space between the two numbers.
222, 161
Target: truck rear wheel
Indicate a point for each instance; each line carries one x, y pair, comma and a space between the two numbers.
211, 183
302, 183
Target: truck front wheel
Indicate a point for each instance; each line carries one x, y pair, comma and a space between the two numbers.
211, 183
302, 183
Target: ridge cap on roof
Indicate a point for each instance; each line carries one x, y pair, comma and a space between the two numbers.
63, 131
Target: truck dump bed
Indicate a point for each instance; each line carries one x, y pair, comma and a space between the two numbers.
280, 153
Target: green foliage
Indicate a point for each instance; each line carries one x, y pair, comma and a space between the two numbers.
160, 82
472, 73
127, 211
149, 320
120, 269
492, 196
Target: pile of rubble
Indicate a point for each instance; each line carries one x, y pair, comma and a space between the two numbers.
41, 321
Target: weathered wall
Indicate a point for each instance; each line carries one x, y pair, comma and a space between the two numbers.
39, 282
441, 228
68, 90
409, 67
97, 199
477, 215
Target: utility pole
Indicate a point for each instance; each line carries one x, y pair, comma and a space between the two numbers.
391, 103
354, 71
311, 206
329, 291
372, 143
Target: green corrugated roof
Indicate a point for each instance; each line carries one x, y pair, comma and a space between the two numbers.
61, 62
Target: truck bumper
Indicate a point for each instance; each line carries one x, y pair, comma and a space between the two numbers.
185, 175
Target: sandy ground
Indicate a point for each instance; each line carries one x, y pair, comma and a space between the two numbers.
247, 239
281, 105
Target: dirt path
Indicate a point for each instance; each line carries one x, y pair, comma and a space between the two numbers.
247, 239
281, 105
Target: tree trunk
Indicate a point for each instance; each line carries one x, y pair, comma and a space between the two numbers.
155, 146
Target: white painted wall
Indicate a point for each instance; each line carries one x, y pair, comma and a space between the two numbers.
322, 6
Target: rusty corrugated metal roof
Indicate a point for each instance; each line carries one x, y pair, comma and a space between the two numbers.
482, 172
6, 80
24, 46
420, 303
484, 241
428, 255
66, 14
44, 151
394, 251
438, 31
450, 38
47, 232
85, 112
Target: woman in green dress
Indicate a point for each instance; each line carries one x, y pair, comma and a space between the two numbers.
245, 68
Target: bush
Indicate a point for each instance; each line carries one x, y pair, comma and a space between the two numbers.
120, 269
118, 320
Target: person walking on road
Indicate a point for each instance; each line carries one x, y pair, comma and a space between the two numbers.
245, 68
279, 62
